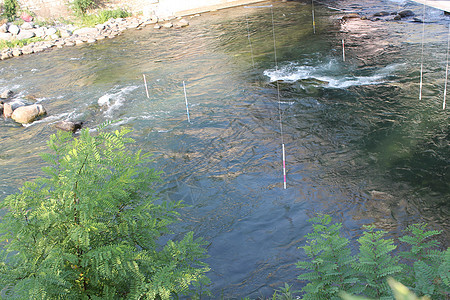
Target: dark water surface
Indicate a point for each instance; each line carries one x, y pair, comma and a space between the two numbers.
359, 143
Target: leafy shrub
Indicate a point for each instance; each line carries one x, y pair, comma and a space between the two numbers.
103, 16
18, 43
91, 228
10, 8
80, 7
333, 269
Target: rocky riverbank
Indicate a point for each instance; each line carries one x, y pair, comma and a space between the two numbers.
68, 35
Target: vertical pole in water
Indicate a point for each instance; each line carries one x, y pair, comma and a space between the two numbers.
185, 99
279, 101
421, 63
313, 20
249, 41
146, 88
446, 69
343, 49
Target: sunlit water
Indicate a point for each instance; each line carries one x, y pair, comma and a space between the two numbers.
350, 128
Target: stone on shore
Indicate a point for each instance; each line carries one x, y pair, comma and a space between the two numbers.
25, 34
27, 114
69, 125
65, 33
14, 29
6, 36
157, 26
181, 23
27, 26
86, 31
6, 94
168, 25
4, 28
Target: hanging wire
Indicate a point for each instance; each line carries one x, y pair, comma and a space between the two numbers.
446, 69
421, 63
249, 41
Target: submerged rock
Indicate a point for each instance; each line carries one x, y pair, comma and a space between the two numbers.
69, 125
27, 114
406, 13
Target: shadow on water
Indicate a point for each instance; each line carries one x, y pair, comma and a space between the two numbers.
359, 144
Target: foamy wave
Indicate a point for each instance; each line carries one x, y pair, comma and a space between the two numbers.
114, 100
327, 75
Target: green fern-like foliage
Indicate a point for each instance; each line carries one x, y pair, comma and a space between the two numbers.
428, 268
376, 262
330, 262
91, 229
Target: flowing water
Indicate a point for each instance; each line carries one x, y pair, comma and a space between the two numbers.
359, 144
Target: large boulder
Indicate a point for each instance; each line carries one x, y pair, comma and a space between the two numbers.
6, 36
25, 34
27, 114
27, 25
9, 107
65, 33
69, 125
14, 29
406, 13
86, 31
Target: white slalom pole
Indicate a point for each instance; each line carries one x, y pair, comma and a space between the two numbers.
313, 20
421, 63
146, 88
343, 49
185, 99
279, 101
446, 69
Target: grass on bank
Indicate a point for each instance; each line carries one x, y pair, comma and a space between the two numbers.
18, 43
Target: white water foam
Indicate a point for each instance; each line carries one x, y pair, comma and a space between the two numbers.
113, 101
325, 75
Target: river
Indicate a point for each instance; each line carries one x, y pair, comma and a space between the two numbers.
359, 143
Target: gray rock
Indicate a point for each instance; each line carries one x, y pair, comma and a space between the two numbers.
51, 31
65, 33
69, 125
406, 13
9, 107
157, 26
28, 49
25, 34
40, 32
14, 29
182, 23
4, 28
397, 17
27, 114
6, 94
17, 52
86, 31
7, 36
168, 25
6, 55
27, 25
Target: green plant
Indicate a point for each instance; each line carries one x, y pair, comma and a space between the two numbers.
80, 7
330, 262
376, 262
286, 293
91, 229
425, 269
10, 8
18, 43
103, 16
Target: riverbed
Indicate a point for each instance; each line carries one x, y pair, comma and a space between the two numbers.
359, 143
